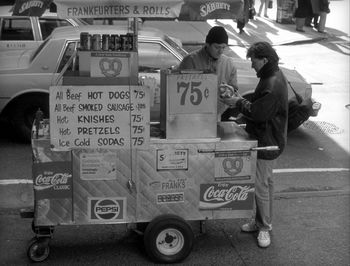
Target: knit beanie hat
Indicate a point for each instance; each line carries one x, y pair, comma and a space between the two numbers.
217, 34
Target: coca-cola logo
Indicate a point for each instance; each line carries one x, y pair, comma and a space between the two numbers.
214, 196
42, 181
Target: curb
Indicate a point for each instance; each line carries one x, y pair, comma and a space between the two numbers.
310, 194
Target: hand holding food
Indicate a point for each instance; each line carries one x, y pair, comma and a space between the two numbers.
227, 91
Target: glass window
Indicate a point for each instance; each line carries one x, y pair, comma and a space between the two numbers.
153, 57
16, 29
47, 25
70, 48
37, 51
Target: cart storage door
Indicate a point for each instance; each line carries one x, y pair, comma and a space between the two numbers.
101, 194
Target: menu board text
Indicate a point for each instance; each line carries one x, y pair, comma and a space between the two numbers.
99, 116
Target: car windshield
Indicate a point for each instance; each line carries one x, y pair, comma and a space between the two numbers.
37, 51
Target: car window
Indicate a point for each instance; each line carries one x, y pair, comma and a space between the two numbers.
37, 51
70, 48
47, 25
16, 29
153, 57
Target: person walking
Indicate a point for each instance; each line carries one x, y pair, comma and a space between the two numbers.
211, 58
264, 4
303, 10
244, 15
267, 114
321, 9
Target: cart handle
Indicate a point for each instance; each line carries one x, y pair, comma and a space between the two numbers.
267, 148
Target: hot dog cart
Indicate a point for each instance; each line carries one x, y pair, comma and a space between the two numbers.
99, 159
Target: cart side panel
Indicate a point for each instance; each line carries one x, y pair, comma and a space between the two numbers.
218, 182
175, 191
52, 182
235, 170
101, 193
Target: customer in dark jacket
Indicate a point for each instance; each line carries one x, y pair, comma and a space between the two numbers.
267, 114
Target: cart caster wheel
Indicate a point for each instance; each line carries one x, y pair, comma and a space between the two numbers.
38, 249
168, 239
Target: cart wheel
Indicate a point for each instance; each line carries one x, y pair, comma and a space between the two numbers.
168, 239
33, 227
38, 249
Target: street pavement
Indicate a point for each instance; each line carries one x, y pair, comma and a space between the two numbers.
311, 226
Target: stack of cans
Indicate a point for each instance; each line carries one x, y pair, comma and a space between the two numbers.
106, 42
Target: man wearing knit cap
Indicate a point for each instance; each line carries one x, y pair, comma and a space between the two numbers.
211, 58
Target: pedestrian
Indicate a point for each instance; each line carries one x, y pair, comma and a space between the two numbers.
211, 58
264, 4
313, 20
321, 9
303, 10
244, 15
267, 114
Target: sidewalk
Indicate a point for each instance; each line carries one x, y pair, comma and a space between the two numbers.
192, 34
307, 231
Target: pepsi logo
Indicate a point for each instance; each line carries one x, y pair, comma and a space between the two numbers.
106, 209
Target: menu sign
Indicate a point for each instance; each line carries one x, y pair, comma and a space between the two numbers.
99, 117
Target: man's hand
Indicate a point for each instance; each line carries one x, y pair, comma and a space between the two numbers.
232, 101
227, 91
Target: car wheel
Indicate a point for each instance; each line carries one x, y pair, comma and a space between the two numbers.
168, 239
22, 114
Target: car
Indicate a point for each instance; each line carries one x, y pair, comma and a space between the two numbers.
28, 32
25, 79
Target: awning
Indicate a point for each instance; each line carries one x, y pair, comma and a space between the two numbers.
33, 8
118, 8
184, 10
194, 10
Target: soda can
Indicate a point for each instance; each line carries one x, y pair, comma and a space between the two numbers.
123, 42
105, 42
112, 42
96, 42
85, 41
117, 43
130, 37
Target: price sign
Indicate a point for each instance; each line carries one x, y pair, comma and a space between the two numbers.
192, 93
139, 117
99, 116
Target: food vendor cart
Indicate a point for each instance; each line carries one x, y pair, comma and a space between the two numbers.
99, 160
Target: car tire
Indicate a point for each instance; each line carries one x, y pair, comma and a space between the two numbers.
22, 114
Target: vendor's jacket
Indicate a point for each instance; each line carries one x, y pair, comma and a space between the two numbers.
267, 111
223, 67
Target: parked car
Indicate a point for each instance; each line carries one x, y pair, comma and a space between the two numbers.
25, 79
26, 32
